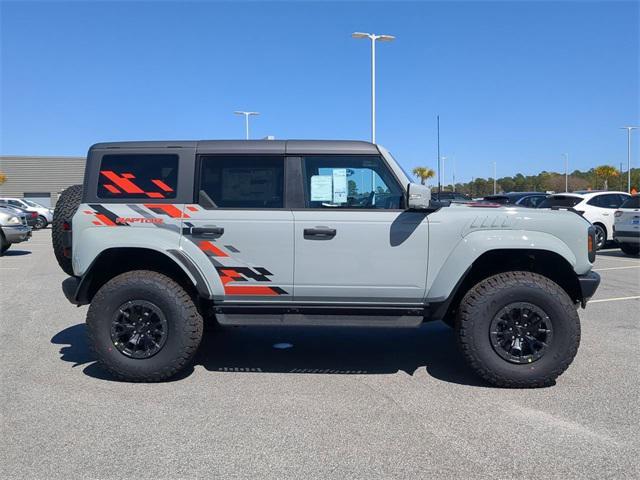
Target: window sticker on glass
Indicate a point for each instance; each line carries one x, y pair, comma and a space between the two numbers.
321, 188
340, 185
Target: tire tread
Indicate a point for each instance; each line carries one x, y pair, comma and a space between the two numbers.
193, 323
481, 293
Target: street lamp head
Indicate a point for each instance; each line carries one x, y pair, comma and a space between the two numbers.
360, 35
239, 112
630, 127
386, 38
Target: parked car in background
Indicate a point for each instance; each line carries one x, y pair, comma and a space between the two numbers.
597, 207
455, 197
13, 228
30, 215
45, 215
626, 228
523, 199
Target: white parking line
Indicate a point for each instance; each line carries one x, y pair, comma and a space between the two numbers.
615, 268
614, 299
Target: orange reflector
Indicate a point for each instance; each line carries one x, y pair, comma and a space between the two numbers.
590, 243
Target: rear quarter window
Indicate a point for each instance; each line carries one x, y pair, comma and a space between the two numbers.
138, 176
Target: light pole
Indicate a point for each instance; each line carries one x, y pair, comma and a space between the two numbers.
444, 177
453, 178
629, 129
566, 171
373, 37
246, 120
495, 185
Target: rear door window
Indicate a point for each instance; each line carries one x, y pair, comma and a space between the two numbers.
566, 201
607, 200
147, 176
242, 181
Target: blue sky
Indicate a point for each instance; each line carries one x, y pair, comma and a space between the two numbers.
518, 83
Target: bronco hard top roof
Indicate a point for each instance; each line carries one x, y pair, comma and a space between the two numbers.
252, 146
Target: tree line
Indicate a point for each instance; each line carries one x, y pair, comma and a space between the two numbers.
603, 177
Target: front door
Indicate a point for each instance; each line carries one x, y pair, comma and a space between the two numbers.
241, 225
354, 242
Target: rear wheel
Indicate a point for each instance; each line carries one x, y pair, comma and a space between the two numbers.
143, 327
66, 207
630, 249
601, 236
518, 329
41, 223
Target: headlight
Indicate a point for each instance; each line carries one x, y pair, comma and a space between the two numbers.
14, 220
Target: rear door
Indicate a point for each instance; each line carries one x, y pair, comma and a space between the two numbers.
240, 222
354, 241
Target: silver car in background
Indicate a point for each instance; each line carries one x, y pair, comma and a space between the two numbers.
45, 214
13, 228
626, 230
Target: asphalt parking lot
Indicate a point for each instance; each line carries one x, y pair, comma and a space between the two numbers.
338, 404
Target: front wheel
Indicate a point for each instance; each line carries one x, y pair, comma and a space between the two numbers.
143, 327
518, 329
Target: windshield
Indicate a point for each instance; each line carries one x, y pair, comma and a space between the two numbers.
32, 204
633, 202
566, 201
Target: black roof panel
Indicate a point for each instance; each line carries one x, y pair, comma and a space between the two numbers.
255, 146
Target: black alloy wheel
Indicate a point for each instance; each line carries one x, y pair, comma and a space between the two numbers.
139, 329
521, 332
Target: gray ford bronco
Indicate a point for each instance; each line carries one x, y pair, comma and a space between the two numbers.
164, 236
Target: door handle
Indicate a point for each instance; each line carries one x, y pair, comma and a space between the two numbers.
323, 232
207, 231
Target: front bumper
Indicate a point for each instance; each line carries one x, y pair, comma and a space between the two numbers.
16, 234
588, 286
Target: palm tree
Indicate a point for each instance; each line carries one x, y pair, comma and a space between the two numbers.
606, 172
423, 173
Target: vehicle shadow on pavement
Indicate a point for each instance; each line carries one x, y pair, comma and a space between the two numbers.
16, 253
340, 350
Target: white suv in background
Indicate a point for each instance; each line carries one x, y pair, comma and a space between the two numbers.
627, 226
598, 207
45, 215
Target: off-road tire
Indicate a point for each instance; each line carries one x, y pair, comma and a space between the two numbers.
183, 320
66, 207
629, 249
482, 302
4, 245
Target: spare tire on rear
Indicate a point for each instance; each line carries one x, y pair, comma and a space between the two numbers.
66, 207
